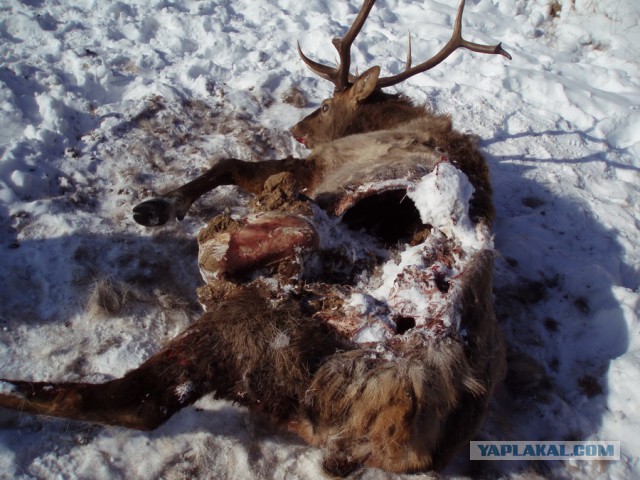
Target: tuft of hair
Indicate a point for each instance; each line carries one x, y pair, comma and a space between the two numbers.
109, 297
294, 96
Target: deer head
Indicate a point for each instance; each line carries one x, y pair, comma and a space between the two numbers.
336, 114
346, 112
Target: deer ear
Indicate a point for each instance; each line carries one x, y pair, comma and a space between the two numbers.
364, 86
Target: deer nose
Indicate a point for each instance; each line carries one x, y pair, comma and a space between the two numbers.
297, 134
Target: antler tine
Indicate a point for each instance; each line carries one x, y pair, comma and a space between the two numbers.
454, 43
343, 45
340, 76
324, 71
408, 51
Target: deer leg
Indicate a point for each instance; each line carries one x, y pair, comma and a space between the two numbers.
143, 399
244, 350
250, 176
175, 203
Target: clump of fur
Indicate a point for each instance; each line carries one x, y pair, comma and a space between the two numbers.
109, 298
281, 193
294, 96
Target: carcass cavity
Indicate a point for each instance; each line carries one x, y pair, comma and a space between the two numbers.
389, 216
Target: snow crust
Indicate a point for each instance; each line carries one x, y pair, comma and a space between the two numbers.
442, 198
104, 103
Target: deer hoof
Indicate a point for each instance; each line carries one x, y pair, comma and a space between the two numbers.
154, 212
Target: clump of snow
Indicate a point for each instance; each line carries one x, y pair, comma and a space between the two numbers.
7, 388
371, 319
184, 391
442, 198
281, 340
372, 333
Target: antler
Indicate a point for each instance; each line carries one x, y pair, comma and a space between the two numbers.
454, 43
341, 78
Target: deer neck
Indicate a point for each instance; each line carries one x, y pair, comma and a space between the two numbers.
360, 165
384, 115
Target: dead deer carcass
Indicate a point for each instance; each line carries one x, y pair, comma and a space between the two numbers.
351, 305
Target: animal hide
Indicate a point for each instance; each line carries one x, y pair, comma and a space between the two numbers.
418, 351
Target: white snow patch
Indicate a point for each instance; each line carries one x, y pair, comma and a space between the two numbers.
7, 388
442, 198
281, 340
183, 391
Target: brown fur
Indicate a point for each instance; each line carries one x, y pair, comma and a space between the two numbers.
380, 111
405, 414
411, 412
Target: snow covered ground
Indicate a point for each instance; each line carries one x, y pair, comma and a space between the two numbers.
104, 103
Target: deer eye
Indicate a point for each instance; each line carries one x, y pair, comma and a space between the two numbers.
325, 108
